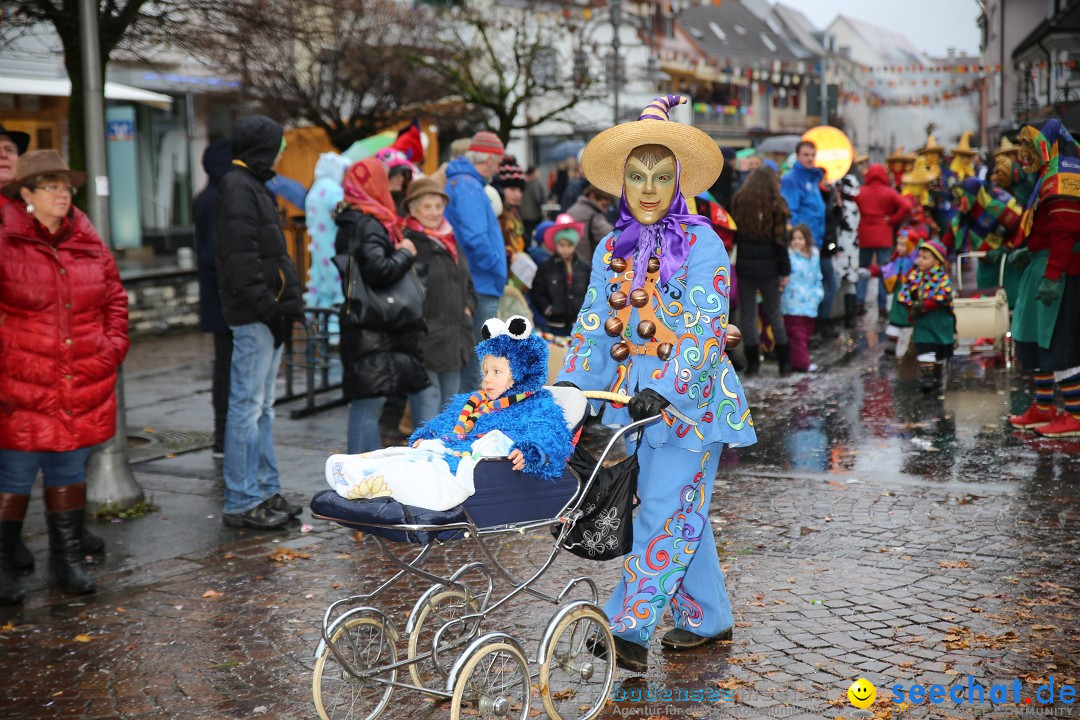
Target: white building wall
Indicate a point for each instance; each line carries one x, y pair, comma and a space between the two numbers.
889, 127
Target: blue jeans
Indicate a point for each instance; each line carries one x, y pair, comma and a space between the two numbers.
427, 403
363, 433
868, 257
831, 284
250, 468
19, 468
487, 306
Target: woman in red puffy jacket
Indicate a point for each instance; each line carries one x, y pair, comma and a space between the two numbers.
881, 209
63, 335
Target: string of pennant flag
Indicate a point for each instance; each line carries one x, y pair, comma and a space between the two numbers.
965, 69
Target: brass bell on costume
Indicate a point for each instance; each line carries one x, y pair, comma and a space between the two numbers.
617, 300
620, 351
646, 329
734, 337
654, 264
613, 327
639, 298
663, 350
618, 264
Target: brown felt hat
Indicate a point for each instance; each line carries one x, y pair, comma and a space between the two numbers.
37, 163
423, 186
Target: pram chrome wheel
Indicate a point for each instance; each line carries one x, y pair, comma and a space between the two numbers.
574, 683
365, 644
433, 611
493, 677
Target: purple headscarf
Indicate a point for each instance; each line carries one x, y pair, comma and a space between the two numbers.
641, 241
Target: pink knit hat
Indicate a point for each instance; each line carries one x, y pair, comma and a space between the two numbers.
486, 141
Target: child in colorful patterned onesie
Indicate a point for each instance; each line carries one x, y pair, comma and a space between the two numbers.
653, 326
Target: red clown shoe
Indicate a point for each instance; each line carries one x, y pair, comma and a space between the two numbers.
1033, 418
1067, 425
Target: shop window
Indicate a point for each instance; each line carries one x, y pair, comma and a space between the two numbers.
165, 171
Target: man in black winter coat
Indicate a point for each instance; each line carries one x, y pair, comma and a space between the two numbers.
217, 160
260, 299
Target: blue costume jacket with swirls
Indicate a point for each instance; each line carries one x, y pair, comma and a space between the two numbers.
697, 378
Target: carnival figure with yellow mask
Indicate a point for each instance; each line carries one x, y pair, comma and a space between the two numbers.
653, 327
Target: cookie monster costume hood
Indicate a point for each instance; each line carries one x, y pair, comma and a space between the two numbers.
526, 353
527, 413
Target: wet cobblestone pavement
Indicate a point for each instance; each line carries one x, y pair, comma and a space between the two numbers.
873, 532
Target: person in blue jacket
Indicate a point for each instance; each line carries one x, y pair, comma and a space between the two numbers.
801, 188
654, 327
477, 230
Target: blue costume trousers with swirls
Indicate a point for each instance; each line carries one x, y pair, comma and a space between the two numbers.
673, 560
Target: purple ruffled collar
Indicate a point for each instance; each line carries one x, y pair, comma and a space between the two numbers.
639, 241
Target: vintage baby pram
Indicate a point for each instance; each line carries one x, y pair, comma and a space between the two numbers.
444, 649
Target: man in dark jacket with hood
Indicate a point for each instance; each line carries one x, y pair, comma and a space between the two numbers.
260, 299
217, 160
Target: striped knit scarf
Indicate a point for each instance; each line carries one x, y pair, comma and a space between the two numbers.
478, 405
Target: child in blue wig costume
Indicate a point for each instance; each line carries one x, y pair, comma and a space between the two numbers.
512, 416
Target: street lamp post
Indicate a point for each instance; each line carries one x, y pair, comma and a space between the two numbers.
616, 43
108, 474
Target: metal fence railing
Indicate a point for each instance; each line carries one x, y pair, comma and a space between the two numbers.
313, 364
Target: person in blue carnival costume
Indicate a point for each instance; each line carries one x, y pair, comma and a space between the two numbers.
654, 326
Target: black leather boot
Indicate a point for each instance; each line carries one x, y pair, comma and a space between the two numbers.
753, 359
849, 311
783, 359
927, 379
65, 514
12, 512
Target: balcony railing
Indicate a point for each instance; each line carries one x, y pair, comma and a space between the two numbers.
711, 120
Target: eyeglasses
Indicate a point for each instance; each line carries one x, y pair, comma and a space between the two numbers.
57, 188
8, 149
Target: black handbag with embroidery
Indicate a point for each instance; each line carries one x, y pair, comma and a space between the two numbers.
605, 529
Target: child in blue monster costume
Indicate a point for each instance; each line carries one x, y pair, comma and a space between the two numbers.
512, 415
654, 327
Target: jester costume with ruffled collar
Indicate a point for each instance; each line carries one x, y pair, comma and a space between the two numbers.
1050, 226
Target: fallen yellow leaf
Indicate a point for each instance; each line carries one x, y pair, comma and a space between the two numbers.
83, 638
212, 594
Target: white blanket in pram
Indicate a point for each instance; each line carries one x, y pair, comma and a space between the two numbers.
418, 476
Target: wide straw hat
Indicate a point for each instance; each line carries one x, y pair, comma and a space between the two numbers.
37, 163
898, 155
1007, 147
919, 175
964, 146
930, 146
700, 160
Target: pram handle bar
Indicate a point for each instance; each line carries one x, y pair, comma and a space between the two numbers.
620, 399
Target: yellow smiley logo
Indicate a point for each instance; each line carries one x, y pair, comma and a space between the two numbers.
862, 693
